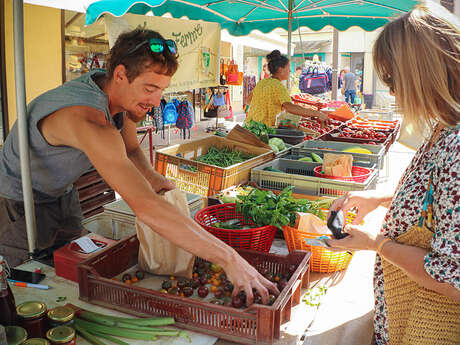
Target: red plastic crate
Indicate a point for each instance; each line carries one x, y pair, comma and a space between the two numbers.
259, 324
68, 257
359, 174
260, 238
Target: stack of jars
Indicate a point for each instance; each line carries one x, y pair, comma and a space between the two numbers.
42, 326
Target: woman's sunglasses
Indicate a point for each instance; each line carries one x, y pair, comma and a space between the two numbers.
157, 45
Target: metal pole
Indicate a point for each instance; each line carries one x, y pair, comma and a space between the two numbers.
335, 62
18, 27
291, 5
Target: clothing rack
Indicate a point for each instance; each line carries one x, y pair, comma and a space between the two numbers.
213, 89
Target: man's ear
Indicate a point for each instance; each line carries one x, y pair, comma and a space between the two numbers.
119, 74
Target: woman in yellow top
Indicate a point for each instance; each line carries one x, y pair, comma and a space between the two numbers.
270, 97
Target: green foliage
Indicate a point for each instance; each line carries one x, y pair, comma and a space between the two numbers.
259, 129
223, 157
279, 143
313, 296
267, 208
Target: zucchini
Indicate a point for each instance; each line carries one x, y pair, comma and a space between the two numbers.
316, 158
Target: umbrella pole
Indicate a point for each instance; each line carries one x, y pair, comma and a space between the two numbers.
335, 63
18, 19
289, 39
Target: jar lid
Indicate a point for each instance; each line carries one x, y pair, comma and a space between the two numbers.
61, 334
61, 314
15, 335
28, 310
36, 341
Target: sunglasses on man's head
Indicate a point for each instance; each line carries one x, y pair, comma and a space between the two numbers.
157, 45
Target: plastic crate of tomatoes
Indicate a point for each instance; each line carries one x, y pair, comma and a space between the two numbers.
187, 300
307, 100
314, 125
375, 128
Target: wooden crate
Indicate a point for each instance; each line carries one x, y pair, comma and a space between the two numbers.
93, 193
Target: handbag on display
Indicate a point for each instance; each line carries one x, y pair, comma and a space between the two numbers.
416, 315
218, 99
233, 77
223, 111
313, 81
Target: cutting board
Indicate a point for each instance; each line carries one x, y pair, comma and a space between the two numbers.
242, 135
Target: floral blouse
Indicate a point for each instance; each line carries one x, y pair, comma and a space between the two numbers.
443, 262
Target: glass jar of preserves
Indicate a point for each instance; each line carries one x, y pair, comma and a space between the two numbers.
62, 335
36, 341
32, 316
15, 335
60, 316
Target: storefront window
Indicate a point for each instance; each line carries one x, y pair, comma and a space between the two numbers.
86, 48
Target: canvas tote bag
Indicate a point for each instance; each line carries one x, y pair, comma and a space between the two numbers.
157, 254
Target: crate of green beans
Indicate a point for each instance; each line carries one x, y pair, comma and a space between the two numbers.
209, 165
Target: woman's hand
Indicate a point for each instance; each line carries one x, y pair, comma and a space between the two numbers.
363, 202
245, 277
358, 239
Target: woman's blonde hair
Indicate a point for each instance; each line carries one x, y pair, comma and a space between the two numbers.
418, 57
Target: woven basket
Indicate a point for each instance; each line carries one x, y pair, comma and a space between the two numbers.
360, 174
259, 239
322, 260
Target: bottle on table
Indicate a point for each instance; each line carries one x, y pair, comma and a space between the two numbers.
7, 271
8, 316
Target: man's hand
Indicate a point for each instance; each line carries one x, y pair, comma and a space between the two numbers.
161, 184
244, 277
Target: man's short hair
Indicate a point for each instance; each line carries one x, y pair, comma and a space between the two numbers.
298, 68
141, 58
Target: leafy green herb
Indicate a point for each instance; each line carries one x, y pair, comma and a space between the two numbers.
267, 208
223, 157
259, 129
314, 296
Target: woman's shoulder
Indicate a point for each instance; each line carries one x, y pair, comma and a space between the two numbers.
450, 138
448, 146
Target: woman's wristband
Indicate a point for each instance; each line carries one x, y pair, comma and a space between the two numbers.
381, 244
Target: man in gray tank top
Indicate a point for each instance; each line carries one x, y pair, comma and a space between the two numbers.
91, 121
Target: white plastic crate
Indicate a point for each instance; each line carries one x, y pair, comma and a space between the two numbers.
300, 175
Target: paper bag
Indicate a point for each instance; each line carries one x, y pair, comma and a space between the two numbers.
310, 223
337, 164
160, 256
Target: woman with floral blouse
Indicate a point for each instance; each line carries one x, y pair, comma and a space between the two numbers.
417, 269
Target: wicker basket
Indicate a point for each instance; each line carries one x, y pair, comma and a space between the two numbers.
322, 260
359, 174
259, 239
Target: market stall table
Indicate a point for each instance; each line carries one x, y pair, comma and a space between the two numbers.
63, 288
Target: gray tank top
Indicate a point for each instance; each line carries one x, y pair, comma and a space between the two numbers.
53, 168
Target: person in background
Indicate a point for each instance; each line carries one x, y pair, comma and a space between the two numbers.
264, 74
340, 79
270, 96
417, 269
349, 84
295, 80
340, 85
